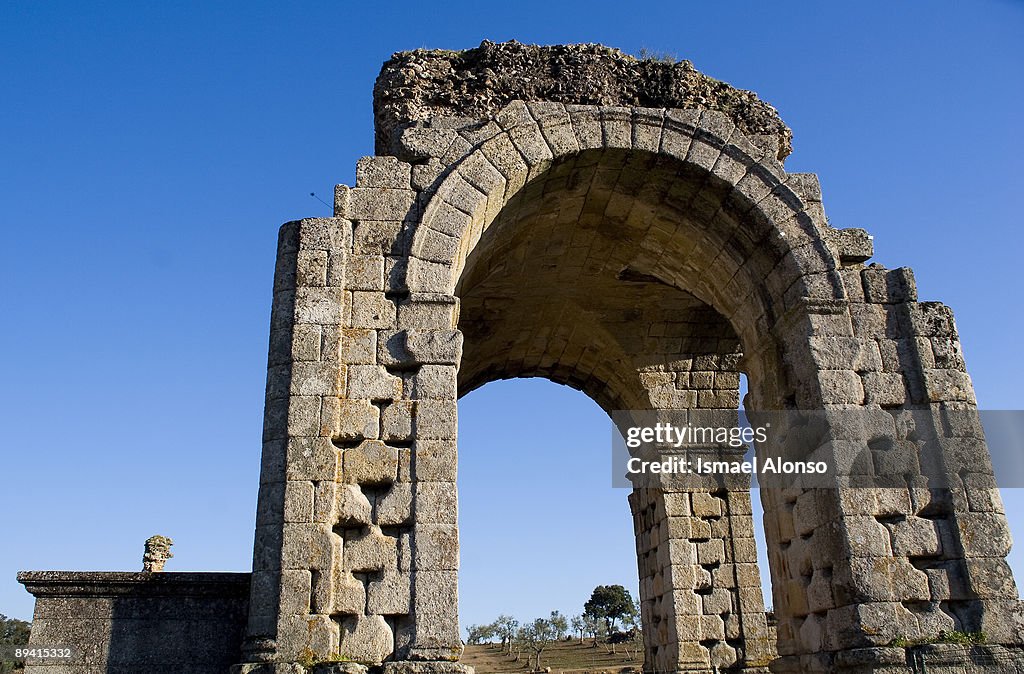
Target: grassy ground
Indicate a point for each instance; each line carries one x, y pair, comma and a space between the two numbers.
564, 656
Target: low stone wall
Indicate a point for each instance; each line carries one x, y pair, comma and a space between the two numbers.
121, 623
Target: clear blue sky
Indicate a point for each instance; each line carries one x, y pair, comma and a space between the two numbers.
149, 151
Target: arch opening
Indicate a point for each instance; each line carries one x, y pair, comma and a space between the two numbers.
633, 278
548, 532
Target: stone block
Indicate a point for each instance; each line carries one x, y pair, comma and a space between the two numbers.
322, 306
990, 578
435, 605
688, 528
390, 594
889, 286
646, 131
948, 386
366, 639
314, 378
712, 627
373, 310
358, 346
914, 537
442, 347
374, 203
365, 272
434, 460
984, 534
436, 503
305, 342
344, 594
428, 311
444, 218
394, 274
354, 508
296, 587
306, 546
718, 602
435, 246
437, 420
304, 416
435, 382
840, 387
865, 537
383, 172
298, 501
372, 462
845, 353
373, 382
421, 142
311, 268
357, 419
426, 174
677, 504
946, 353
819, 592
395, 507
425, 276
436, 547
385, 237
369, 551
325, 501
706, 505
397, 421
701, 380
886, 389
311, 459
711, 552
927, 319
267, 547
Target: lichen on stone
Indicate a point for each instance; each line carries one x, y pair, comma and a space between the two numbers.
415, 86
158, 551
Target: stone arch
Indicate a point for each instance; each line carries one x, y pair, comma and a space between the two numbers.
524, 140
693, 162
356, 545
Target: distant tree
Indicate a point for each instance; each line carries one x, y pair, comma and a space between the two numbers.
13, 632
594, 627
579, 625
479, 634
632, 619
610, 603
560, 623
505, 628
634, 632
537, 636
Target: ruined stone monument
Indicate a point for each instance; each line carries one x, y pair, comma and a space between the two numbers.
627, 228
158, 551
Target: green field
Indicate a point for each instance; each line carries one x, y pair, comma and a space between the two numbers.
563, 656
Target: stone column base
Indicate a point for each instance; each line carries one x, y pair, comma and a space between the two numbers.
268, 668
434, 667
403, 667
931, 658
706, 670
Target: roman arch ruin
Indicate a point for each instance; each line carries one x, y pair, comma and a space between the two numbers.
626, 228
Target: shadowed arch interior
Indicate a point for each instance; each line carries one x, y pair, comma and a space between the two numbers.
603, 267
594, 276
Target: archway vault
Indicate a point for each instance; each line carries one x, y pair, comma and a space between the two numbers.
645, 255
561, 289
